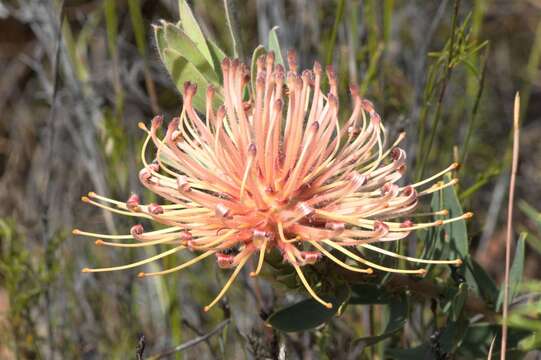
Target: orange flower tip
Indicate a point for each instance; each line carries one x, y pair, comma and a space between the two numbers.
141, 275
206, 309
252, 150
375, 118
98, 242
260, 81
253, 274
157, 121
330, 72
155, 209
438, 222
76, 232
270, 57
142, 126
458, 262
92, 194
85, 199
317, 68
85, 270
333, 101
454, 165
278, 104
422, 272
468, 215
328, 305
226, 62
444, 212
261, 60
369, 271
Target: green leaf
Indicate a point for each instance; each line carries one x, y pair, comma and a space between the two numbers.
289, 280
111, 24
260, 50
308, 314
456, 230
423, 351
159, 37
399, 310
181, 70
138, 26
478, 337
458, 301
448, 341
274, 45
191, 27
217, 55
369, 294
433, 239
484, 284
531, 212
516, 271
179, 41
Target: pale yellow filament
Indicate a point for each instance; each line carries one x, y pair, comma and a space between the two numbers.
228, 283
180, 267
305, 283
138, 263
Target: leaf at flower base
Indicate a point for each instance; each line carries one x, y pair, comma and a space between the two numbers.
181, 70
433, 239
274, 45
159, 37
458, 301
308, 314
515, 274
180, 42
484, 284
289, 280
398, 315
260, 50
192, 29
456, 230
217, 55
369, 294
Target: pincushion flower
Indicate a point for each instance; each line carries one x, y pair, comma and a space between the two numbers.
278, 170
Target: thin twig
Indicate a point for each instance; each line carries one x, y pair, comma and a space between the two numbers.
198, 332
516, 140
193, 342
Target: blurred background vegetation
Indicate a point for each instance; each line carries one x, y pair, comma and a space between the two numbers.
77, 77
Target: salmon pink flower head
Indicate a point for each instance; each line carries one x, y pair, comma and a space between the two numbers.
278, 170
